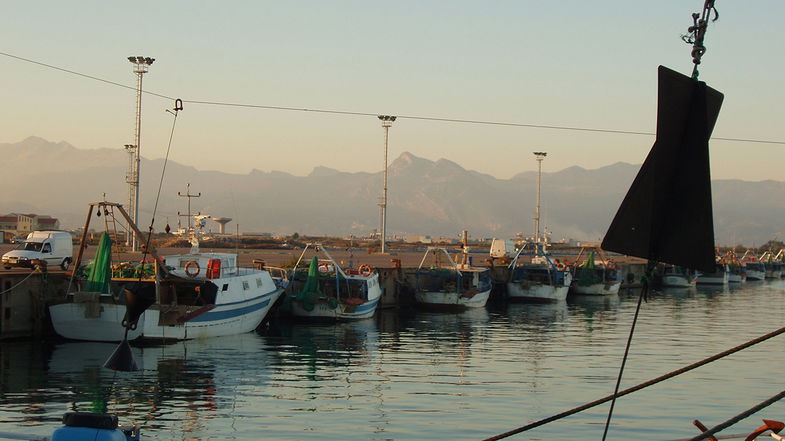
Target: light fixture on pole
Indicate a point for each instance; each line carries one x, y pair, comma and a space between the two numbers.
141, 65
387, 121
539, 156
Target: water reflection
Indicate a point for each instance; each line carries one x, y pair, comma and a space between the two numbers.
594, 306
711, 291
538, 316
177, 384
323, 344
411, 374
674, 292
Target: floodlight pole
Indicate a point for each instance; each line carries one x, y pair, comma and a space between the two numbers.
141, 65
387, 121
539, 156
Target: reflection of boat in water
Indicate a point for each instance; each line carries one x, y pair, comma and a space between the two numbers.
590, 305
541, 315
595, 277
194, 295
447, 284
327, 291
677, 292
712, 289
307, 343
180, 386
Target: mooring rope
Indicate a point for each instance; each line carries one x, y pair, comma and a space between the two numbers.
640, 386
739, 417
35, 270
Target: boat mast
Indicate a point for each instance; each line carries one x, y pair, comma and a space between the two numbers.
539, 156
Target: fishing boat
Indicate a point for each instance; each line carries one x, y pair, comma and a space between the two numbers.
753, 268
674, 276
719, 276
325, 291
592, 276
542, 279
447, 284
182, 296
736, 271
772, 267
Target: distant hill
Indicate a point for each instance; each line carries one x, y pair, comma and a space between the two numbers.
425, 197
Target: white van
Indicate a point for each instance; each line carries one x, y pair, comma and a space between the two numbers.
54, 247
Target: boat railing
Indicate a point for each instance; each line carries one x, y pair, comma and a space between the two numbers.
317, 247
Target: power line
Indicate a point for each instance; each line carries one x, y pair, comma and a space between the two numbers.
113, 83
375, 114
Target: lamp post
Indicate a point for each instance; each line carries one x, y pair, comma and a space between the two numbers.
141, 65
131, 177
539, 156
387, 121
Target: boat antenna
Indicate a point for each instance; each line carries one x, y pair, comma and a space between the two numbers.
178, 106
697, 32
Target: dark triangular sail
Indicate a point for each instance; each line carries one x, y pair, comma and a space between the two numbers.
667, 213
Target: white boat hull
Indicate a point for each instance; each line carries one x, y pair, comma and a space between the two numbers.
718, 279
598, 289
70, 321
74, 321
452, 299
735, 278
531, 291
755, 275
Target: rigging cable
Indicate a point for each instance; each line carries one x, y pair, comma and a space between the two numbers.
640, 386
376, 114
178, 106
643, 296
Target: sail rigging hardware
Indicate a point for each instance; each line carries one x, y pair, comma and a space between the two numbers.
697, 33
178, 105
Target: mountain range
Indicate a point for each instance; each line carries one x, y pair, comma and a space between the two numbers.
438, 198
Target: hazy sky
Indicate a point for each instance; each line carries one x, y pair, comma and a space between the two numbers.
566, 63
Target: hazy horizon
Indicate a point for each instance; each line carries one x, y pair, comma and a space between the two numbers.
550, 68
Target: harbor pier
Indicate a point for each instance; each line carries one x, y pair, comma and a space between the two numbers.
27, 293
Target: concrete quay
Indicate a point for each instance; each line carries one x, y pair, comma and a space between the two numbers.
27, 293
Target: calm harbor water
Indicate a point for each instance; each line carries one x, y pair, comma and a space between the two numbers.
413, 375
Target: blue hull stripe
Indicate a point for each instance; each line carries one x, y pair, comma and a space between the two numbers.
269, 294
365, 307
232, 313
235, 312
